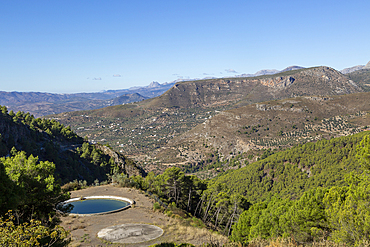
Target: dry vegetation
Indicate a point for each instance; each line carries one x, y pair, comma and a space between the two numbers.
177, 231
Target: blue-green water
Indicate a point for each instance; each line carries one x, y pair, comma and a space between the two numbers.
93, 206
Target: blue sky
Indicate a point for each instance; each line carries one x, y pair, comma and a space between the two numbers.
88, 46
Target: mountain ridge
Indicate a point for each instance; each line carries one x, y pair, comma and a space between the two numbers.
256, 89
141, 128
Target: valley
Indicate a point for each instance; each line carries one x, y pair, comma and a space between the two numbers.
223, 117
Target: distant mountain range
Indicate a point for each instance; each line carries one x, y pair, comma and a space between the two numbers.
352, 69
274, 71
42, 104
355, 68
270, 71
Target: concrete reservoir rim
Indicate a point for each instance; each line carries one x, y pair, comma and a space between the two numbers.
131, 202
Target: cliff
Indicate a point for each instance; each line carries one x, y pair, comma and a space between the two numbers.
313, 81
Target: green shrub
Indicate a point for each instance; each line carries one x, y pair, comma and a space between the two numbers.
156, 206
169, 213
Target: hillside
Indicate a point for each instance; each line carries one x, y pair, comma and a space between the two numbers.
145, 126
51, 141
273, 124
296, 170
128, 98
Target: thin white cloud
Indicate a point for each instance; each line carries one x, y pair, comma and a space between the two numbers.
183, 77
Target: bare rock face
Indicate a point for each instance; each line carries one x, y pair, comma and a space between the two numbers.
278, 82
367, 66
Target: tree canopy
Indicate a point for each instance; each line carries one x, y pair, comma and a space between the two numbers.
339, 213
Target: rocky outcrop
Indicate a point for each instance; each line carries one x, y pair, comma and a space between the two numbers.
278, 82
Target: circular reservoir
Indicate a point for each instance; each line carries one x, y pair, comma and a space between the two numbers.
94, 205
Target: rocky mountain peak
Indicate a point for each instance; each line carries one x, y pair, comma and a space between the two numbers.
154, 84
